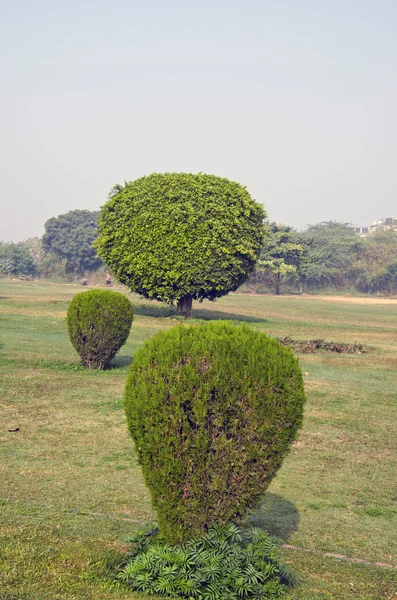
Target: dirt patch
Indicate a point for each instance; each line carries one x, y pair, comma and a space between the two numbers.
346, 299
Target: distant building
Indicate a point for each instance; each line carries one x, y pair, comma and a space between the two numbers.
381, 225
361, 230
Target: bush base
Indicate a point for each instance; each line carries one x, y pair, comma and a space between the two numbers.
226, 563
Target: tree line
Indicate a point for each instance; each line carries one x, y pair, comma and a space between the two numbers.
325, 257
328, 256
64, 252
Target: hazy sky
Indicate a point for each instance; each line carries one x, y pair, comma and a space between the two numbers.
296, 99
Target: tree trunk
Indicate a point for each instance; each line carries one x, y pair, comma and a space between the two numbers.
184, 306
278, 281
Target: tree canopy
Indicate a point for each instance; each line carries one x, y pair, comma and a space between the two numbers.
70, 238
175, 237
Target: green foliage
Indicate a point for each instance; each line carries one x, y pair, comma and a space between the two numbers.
55, 268
99, 322
225, 563
70, 238
280, 255
376, 267
35, 247
180, 236
213, 410
15, 259
328, 256
329, 250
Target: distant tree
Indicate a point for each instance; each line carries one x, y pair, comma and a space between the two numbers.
329, 249
15, 259
375, 271
54, 267
280, 255
331, 257
329, 229
177, 237
35, 247
70, 238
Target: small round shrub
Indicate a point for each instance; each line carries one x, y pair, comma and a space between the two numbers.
99, 322
213, 410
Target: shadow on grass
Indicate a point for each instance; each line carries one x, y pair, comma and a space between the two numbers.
276, 515
214, 315
163, 311
154, 310
119, 361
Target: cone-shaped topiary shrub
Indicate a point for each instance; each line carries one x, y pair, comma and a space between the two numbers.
213, 410
99, 322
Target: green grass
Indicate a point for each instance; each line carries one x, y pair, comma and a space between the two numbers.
71, 487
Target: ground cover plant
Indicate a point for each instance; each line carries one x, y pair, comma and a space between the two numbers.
71, 487
226, 562
99, 322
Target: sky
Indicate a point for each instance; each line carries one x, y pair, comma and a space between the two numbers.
295, 99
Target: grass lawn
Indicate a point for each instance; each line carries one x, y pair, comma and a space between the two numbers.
71, 489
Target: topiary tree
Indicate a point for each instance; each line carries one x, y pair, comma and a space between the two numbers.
99, 322
213, 410
176, 237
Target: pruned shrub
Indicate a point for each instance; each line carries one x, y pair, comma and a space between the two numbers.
99, 322
226, 562
213, 410
179, 237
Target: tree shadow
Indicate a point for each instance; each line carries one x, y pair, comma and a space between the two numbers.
119, 361
276, 515
214, 315
154, 310
205, 314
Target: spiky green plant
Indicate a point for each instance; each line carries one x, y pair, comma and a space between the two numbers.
225, 563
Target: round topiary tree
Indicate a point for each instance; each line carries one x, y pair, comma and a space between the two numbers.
176, 237
99, 322
213, 410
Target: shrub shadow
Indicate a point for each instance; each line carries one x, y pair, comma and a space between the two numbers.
119, 361
276, 515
